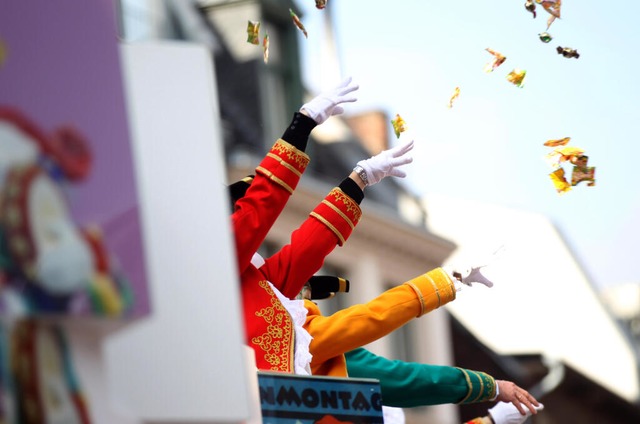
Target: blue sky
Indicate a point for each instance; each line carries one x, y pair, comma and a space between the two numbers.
408, 57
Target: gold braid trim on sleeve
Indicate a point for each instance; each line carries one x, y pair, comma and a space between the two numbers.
275, 179
329, 226
469, 385
420, 297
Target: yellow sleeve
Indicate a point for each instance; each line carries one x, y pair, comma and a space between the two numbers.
361, 324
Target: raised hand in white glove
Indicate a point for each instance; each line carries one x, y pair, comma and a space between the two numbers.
507, 413
327, 104
386, 164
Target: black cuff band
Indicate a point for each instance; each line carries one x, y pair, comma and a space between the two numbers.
298, 131
352, 190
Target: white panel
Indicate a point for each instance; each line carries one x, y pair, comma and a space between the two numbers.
186, 362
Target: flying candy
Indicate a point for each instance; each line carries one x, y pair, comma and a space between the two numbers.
574, 155
531, 7
456, 93
545, 37
298, 23
265, 48
516, 77
581, 172
551, 6
253, 28
497, 60
563, 154
568, 52
399, 126
321, 4
558, 142
559, 181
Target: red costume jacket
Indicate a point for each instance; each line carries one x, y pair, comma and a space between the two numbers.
269, 329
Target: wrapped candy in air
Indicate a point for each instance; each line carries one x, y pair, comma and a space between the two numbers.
545, 37
516, 77
581, 172
498, 59
253, 30
456, 93
557, 142
399, 126
568, 52
531, 7
559, 181
297, 22
265, 48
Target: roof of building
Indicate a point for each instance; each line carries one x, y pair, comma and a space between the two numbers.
542, 300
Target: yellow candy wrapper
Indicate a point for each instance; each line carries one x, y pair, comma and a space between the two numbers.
399, 126
297, 22
253, 30
456, 93
265, 48
516, 77
559, 182
563, 154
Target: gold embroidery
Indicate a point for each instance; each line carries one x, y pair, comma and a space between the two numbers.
277, 341
351, 205
339, 212
291, 152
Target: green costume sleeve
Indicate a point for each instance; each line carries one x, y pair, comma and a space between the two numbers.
410, 384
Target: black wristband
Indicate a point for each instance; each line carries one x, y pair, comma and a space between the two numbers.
352, 190
298, 131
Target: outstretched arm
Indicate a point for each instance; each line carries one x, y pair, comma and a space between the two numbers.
412, 384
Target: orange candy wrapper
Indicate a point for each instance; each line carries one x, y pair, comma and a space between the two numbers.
498, 59
399, 126
253, 30
557, 142
297, 22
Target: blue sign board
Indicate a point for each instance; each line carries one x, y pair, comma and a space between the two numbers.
295, 399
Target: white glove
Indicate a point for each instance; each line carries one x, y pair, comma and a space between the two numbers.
327, 104
386, 163
467, 276
507, 413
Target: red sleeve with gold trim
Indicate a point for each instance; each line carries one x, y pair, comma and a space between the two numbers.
361, 324
330, 224
276, 177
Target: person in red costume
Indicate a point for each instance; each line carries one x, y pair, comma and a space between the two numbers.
268, 326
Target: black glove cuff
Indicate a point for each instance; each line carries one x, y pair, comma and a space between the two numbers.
352, 190
298, 131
